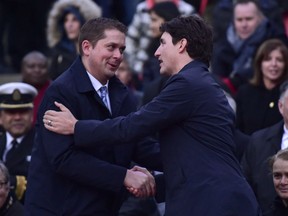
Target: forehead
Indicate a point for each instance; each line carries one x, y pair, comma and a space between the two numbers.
155, 16
16, 111
113, 35
34, 58
280, 164
276, 51
245, 10
70, 16
166, 37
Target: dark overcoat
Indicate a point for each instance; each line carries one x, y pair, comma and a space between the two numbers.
195, 124
67, 180
263, 144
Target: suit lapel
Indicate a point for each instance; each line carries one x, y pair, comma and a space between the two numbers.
274, 136
117, 94
2, 144
23, 151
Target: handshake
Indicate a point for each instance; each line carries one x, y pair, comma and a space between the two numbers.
140, 182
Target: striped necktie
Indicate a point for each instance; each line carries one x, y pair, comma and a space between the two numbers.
103, 95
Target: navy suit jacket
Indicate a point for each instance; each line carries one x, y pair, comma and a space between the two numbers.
68, 180
195, 124
263, 144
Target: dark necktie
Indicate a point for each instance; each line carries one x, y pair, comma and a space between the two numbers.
103, 93
12, 150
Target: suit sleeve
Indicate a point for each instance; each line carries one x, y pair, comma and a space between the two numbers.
163, 111
147, 154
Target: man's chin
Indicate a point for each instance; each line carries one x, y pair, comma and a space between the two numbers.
111, 73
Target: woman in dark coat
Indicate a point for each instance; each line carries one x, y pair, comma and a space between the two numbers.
63, 25
257, 101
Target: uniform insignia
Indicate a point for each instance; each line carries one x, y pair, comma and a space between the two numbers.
16, 95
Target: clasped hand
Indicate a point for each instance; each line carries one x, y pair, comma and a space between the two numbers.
140, 182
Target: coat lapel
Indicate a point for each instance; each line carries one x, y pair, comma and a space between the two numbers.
274, 136
2, 144
117, 95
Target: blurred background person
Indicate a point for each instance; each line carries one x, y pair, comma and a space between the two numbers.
16, 141
125, 75
139, 34
123, 10
34, 71
233, 54
279, 168
262, 145
63, 26
223, 10
9, 206
257, 100
22, 29
152, 80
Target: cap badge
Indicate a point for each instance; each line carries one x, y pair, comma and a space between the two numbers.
16, 95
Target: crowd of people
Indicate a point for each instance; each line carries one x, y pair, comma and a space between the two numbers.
144, 107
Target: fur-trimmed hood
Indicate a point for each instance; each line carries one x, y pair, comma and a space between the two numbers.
87, 8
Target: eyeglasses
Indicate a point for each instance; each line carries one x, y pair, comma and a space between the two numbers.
2, 184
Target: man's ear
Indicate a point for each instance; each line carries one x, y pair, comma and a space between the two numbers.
86, 46
280, 106
182, 44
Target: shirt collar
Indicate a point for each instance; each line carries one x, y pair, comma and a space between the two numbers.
96, 84
9, 138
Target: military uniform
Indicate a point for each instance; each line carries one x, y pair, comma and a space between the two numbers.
16, 100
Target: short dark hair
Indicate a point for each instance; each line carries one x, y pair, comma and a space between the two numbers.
196, 31
167, 10
94, 30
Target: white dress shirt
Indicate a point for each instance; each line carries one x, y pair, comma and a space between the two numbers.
97, 85
284, 143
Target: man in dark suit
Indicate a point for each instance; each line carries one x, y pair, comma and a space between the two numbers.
16, 141
195, 124
263, 145
65, 179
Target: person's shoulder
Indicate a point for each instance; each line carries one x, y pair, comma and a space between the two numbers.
196, 72
268, 131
